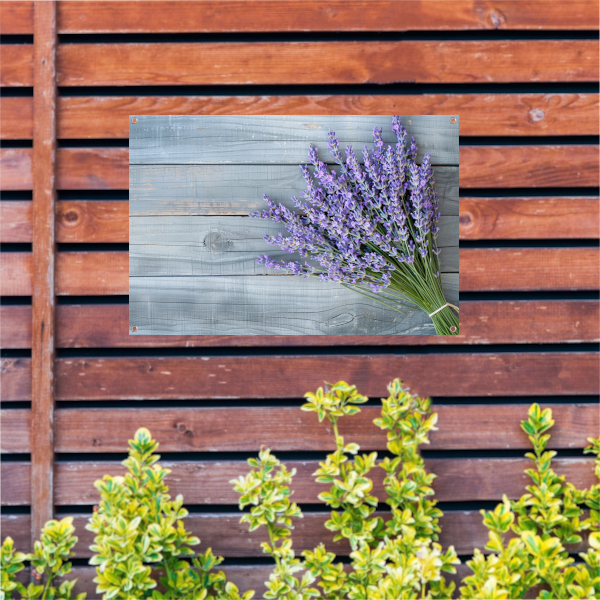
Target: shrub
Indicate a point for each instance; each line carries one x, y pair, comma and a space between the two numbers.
142, 549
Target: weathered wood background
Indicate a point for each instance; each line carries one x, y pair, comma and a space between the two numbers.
523, 76
192, 255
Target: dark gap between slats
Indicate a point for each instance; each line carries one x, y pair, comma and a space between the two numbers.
13, 92
320, 36
93, 247
16, 510
333, 89
566, 243
522, 140
92, 195
374, 401
16, 143
15, 353
15, 458
526, 192
324, 351
14, 300
16, 247
288, 456
543, 295
18, 405
16, 38
22, 195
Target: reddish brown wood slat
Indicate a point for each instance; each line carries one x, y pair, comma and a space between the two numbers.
15, 168
529, 166
481, 114
289, 428
249, 377
16, 326
507, 322
15, 490
16, 379
501, 269
17, 65
529, 218
458, 480
93, 168
16, 431
267, 63
480, 166
16, 115
333, 15
92, 273
16, 17
15, 221
15, 271
92, 221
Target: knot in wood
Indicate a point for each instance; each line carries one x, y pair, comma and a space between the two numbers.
536, 115
465, 219
181, 427
216, 242
71, 216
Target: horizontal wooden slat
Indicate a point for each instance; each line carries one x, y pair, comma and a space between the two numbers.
334, 15
16, 326
214, 429
16, 483
506, 322
16, 431
257, 139
17, 65
15, 168
458, 479
15, 270
16, 114
92, 221
529, 166
16, 379
171, 190
263, 305
510, 373
500, 269
92, 168
92, 273
211, 63
197, 245
529, 218
481, 114
15, 221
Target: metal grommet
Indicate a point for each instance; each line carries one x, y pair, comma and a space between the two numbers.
452, 120
134, 120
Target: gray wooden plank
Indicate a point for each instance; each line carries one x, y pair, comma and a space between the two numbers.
259, 139
248, 305
236, 190
201, 245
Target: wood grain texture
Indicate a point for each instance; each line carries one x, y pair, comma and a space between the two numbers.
503, 269
505, 322
15, 168
16, 484
290, 429
16, 379
529, 166
15, 221
198, 246
16, 17
92, 221
17, 65
529, 218
16, 431
481, 114
92, 168
458, 479
336, 15
476, 374
16, 326
16, 270
16, 114
237, 190
91, 273
242, 63
43, 275
254, 139
269, 305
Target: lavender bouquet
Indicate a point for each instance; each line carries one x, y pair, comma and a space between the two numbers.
372, 228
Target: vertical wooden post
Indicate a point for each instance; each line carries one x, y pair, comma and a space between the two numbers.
42, 349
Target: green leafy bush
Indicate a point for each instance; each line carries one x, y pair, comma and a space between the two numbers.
142, 549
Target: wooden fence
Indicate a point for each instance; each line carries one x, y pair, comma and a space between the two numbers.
523, 76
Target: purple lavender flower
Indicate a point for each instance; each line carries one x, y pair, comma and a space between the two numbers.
370, 227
